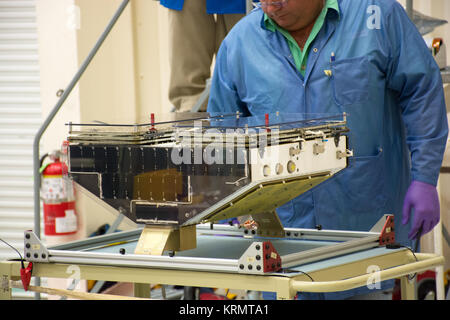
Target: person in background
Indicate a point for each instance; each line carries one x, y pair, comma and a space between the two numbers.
196, 29
367, 59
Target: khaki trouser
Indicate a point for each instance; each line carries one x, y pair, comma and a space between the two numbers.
194, 38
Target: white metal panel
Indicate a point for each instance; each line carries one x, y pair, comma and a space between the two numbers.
20, 117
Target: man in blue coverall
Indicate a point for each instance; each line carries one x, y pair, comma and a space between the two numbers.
365, 58
194, 38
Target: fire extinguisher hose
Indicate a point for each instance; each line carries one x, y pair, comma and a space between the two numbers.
41, 162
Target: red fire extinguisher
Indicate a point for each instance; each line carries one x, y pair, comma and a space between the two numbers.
58, 197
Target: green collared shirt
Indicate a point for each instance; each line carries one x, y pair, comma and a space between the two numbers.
301, 57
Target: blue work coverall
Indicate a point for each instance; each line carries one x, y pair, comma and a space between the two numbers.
212, 6
382, 75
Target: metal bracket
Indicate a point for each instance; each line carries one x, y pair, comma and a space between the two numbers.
260, 258
269, 224
154, 239
387, 235
34, 250
318, 148
346, 154
295, 151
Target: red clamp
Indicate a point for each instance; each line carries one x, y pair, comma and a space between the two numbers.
152, 122
267, 122
25, 274
387, 235
272, 260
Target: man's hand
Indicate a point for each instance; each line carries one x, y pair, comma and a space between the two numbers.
423, 197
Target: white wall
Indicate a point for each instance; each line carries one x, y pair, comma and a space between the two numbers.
58, 63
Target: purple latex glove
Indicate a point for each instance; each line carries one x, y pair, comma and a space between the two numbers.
423, 197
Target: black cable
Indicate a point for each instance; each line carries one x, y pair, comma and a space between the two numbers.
41, 161
398, 246
306, 275
416, 247
21, 258
295, 271
419, 234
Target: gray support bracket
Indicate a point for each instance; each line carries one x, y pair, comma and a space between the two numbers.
34, 249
